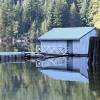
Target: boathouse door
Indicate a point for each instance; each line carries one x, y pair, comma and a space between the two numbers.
69, 51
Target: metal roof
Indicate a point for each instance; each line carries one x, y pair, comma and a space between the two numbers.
73, 33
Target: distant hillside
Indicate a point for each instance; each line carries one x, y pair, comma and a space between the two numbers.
33, 17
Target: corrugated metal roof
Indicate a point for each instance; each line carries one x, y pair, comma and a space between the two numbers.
73, 33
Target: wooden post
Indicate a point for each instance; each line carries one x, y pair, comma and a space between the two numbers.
90, 51
96, 52
94, 64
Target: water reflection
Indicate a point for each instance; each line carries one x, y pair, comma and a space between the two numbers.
17, 47
65, 75
25, 82
76, 72
94, 80
22, 80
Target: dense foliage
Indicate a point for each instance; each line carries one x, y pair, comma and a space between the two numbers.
33, 17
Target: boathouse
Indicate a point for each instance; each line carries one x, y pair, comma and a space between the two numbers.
73, 40
67, 40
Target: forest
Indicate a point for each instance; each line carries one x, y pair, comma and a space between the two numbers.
34, 17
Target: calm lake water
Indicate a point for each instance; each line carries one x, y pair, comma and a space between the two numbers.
46, 79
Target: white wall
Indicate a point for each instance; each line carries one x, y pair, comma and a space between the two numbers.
76, 47
84, 42
55, 47
81, 47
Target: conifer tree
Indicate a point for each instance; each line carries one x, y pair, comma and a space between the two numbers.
6, 18
94, 14
83, 12
74, 18
65, 15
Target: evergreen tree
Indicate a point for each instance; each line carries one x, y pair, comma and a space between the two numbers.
6, 18
74, 18
21, 16
94, 14
52, 17
83, 12
19, 19
55, 16
65, 15
32, 13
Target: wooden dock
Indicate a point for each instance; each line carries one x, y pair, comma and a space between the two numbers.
19, 56
36, 55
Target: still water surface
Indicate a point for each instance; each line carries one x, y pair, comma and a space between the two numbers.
25, 80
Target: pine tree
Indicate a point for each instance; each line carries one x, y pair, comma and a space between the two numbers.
55, 16
52, 17
94, 14
33, 12
19, 19
20, 16
83, 12
6, 18
65, 15
74, 18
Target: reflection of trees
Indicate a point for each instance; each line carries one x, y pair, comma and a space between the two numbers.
7, 47
25, 82
13, 77
94, 80
25, 46
18, 47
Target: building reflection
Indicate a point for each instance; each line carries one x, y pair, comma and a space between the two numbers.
75, 68
66, 68
23, 81
26, 82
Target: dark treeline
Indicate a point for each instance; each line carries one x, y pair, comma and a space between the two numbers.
34, 17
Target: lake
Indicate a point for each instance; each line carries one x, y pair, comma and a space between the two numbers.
45, 79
